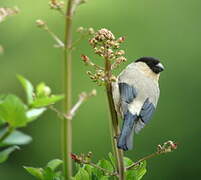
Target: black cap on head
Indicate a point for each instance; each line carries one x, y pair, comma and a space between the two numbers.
153, 63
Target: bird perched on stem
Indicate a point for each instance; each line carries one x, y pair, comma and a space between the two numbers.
136, 93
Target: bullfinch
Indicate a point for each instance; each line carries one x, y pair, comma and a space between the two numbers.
135, 94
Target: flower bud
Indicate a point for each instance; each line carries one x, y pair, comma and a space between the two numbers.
40, 23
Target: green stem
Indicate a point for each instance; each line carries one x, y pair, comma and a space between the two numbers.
67, 124
141, 160
114, 118
8, 131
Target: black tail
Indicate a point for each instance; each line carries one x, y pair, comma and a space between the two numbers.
125, 140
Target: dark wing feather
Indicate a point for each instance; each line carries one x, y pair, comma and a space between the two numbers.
127, 92
127, 95
147, 111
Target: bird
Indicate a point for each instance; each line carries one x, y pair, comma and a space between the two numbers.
135, 95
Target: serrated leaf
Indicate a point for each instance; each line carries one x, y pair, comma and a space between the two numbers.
6, 152
36, 172
15, 138
46, 101
28, 87
82, 175
13, 111
33, 114
53, 164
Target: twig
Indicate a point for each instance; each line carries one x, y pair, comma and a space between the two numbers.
43, 25
75, 43
82, 97
55, 37
81, 160
87, 61
167, 147
141, 160
102, 169
76, 4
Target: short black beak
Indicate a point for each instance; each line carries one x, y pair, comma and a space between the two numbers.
160, 67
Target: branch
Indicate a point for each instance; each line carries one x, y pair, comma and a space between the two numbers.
167, 147
76, 4
81, 160
43, 25
82, 97
102, 169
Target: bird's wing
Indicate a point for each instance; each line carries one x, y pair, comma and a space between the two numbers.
127, 94
145, 115
147, 111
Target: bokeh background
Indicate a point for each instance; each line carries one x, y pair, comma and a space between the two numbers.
169, 30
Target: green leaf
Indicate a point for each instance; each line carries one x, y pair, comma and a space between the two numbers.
48, 174
112, 159
137, 172
127, 161
82, 175
28, 87
141, 171
105, 164
6, 152
131, 175
33, 114
46, 101
89, 169
13, 111
53, 164
15, 138
36, 172
105, 178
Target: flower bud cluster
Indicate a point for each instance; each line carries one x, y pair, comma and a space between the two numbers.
85, 31
4, 12
40, 23
107, 46
168, 146
98, 77
55, 4
82, 158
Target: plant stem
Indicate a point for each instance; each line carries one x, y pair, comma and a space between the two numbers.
115, 127
143, 159
67, 124
8, 131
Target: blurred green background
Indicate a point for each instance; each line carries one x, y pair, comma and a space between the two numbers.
169, 30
